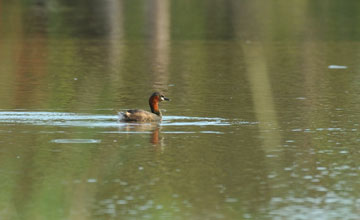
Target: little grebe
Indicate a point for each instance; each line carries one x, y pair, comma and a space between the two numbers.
141, 115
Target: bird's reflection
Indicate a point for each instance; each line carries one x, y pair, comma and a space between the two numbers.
152, 128
154, 138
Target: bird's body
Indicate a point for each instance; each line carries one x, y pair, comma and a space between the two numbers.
138, 115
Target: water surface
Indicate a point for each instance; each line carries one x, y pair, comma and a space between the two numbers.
263, 122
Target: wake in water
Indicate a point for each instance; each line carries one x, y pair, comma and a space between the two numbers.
97, 120
58, 119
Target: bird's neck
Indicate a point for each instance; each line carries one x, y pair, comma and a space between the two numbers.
155, 108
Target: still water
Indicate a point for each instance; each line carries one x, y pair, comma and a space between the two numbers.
263, 124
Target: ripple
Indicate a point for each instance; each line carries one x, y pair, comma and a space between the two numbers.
76, 141
337, 67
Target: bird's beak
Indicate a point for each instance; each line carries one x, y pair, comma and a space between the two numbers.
165, 99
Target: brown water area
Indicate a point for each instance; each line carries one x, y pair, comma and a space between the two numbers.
263, 121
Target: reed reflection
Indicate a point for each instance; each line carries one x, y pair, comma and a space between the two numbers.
161, 41
262, 95
116, 49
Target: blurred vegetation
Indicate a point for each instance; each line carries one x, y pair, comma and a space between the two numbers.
115, 45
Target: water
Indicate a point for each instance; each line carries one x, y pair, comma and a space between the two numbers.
263, 121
